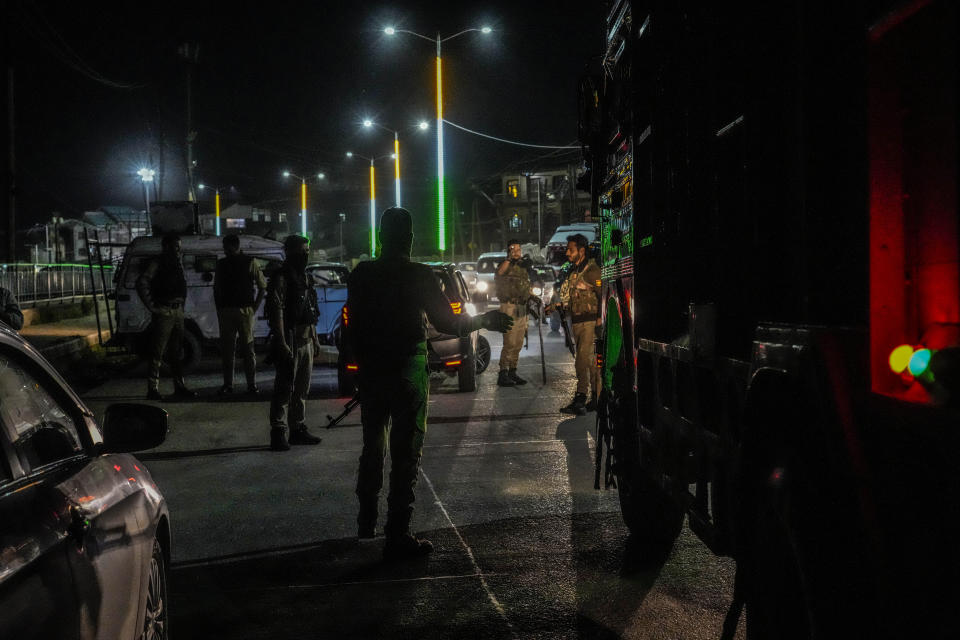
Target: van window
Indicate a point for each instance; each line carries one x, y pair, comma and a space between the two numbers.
267, 265
489, 265
205, 264
562, 234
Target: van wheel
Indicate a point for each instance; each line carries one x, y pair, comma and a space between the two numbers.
192, 351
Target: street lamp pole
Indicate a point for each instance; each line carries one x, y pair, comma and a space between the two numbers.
216, 205
146, 175
373, 199
441, 206
303, 198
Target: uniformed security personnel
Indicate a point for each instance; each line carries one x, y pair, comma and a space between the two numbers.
163, 289
512, 281
292, 312
580, 295
236, 278
388, 300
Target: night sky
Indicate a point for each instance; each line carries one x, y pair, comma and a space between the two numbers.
284, 85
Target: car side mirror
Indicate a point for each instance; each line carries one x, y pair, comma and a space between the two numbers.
130, 427
207, 277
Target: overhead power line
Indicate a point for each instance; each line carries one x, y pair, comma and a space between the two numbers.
513, 142
38, 25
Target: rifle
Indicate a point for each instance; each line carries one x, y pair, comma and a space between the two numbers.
567, 339
347, 408
543, 362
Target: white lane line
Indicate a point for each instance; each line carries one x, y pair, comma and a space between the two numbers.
483, 581
328, 585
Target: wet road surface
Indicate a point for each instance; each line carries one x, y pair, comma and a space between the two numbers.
264, 543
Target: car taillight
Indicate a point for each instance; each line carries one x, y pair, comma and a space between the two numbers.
454, 363
344, 315
352, 367
457, 308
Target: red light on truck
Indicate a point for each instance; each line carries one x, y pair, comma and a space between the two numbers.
352, 367
454, 363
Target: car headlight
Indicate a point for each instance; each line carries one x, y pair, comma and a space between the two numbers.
482, 286
537, 291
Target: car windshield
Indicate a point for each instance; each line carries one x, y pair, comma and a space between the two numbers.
467, 266
489, 265
323, 276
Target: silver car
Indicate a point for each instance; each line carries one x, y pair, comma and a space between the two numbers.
84, 530
487, 265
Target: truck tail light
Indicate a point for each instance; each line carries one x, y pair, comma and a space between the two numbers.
457, 308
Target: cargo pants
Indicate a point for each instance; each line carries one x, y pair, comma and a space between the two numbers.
166, 329
513, 339
588, 374
237, 322
292, 382
401, 396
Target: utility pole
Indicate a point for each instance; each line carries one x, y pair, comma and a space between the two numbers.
11, 181
189, 52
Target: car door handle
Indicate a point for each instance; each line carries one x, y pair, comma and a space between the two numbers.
79, 526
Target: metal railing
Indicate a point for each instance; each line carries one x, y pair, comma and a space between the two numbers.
31, 282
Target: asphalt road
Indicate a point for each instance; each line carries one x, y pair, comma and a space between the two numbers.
264, 543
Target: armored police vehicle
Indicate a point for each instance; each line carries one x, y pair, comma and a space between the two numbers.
781, 300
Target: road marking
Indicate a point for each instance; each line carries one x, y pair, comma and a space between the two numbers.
328, 585
483, 581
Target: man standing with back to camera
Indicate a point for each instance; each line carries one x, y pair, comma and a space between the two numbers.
233, 292
388, 300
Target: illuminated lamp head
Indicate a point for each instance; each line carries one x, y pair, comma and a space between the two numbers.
900, 358
919, 362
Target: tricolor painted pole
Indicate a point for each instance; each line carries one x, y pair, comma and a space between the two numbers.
303, 207
396, 163
441, 218
216, 200
373, 213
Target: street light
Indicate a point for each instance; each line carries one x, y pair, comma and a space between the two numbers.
216, 200
368, 123
373, 200
146, 175
441, 222
303, 198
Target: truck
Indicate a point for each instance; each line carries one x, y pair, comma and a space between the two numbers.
780, 352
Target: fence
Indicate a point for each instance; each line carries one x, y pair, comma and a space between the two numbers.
32, 282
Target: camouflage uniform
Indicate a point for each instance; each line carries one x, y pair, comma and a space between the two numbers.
513, 291
581, 289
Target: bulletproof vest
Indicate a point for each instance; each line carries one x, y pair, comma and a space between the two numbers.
169, 282
300, 301
514, 285
583, 302
235, 282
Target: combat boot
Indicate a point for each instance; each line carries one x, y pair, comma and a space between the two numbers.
181, 391
405, 547
592, 404
278, 439
504, 379
516, 379
578, 406
300, 435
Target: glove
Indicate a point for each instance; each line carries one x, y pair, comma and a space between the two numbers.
495, 321
526, 262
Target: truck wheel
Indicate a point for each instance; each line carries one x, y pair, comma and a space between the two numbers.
648, 510
483, 354
803, 550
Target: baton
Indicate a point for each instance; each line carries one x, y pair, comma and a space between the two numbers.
347, 408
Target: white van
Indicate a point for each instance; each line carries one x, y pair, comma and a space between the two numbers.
200, 255
556, 248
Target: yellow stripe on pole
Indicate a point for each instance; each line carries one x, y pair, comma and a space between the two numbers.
396, 153
303, 196
439, 92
